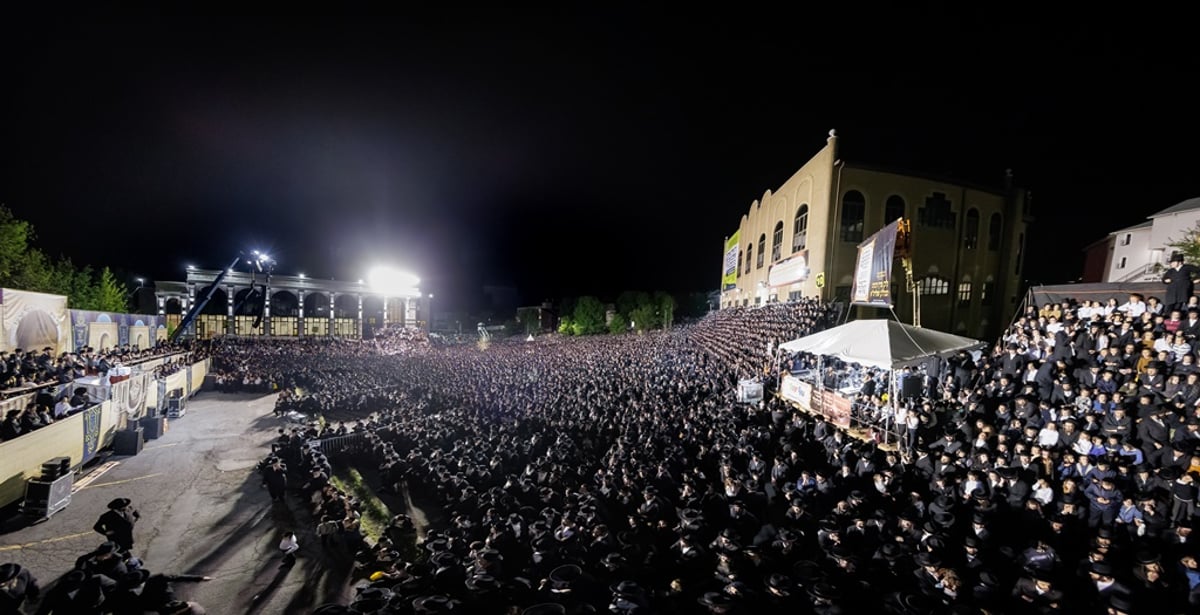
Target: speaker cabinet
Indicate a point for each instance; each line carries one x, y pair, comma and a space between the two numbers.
153, 427
128, 441
44, 498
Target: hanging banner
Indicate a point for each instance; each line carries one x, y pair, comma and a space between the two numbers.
91, 431
789, 270
729, 270
872, 283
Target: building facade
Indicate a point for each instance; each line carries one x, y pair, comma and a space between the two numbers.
1140, 252
801, 240
292, 306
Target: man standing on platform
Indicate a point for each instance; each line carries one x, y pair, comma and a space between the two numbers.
1180, 280
117, 523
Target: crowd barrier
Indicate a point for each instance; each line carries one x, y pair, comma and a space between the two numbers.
85, 433
350, 443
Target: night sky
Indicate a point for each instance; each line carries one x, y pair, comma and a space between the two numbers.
562, 155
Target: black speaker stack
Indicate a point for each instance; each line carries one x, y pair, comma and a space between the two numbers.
129, 441
55, 468
50, 492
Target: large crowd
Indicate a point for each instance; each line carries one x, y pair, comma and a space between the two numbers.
1055, 472
47, 381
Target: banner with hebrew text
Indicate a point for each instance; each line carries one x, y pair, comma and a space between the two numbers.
872, 284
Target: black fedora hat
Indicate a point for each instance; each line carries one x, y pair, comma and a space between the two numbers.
133, 578
715, 600
545, 608
780, 582
119, 503
627, 588
444, 558
482, 583
9, 572
825, 591
436, 603
563, 576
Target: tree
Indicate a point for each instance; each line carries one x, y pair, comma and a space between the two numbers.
666, 308
629, 300
588, 317
1188, 245
15, 236
565, 326
644, 318
617, 324
24, 267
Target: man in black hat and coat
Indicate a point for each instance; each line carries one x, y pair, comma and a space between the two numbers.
1180, 280
16, 584
117, 523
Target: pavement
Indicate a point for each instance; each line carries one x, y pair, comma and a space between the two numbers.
203, 511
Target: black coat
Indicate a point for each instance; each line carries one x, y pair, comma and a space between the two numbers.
118, 527
1180, 284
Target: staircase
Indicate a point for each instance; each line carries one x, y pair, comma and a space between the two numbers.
1150, 272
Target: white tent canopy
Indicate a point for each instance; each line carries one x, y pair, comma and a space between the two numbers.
885, 344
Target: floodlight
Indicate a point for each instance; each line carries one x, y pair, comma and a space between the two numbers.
388, 280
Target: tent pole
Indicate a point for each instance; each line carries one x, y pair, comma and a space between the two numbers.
895, 405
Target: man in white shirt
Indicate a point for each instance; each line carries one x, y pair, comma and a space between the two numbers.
1134, 308
62, 408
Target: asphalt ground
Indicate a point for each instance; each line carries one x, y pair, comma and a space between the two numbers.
203, 511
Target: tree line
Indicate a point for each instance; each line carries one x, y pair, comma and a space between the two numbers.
633, 311
25, 267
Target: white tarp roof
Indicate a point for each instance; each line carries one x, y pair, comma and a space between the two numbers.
880, 343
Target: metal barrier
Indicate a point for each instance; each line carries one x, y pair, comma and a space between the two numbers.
357, 442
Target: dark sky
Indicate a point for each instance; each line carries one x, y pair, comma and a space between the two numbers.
583, 153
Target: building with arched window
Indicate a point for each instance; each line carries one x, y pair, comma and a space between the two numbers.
968, 241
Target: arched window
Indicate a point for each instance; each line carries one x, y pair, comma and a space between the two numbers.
893, 210
762, 251
777, 242
749, 256
934, 285
964, 292
800, 229
854, 207
995, 229
971, 229
741, 258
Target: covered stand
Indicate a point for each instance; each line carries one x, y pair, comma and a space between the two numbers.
883, 344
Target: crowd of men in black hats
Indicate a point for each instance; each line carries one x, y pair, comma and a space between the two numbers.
617, 473
20, 370
110, 579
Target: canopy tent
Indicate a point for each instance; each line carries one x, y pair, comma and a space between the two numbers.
880, 343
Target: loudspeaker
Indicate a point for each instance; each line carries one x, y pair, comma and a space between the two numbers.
153, 427
176, 405
910, 387
55, 468
44, 498
128, 441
